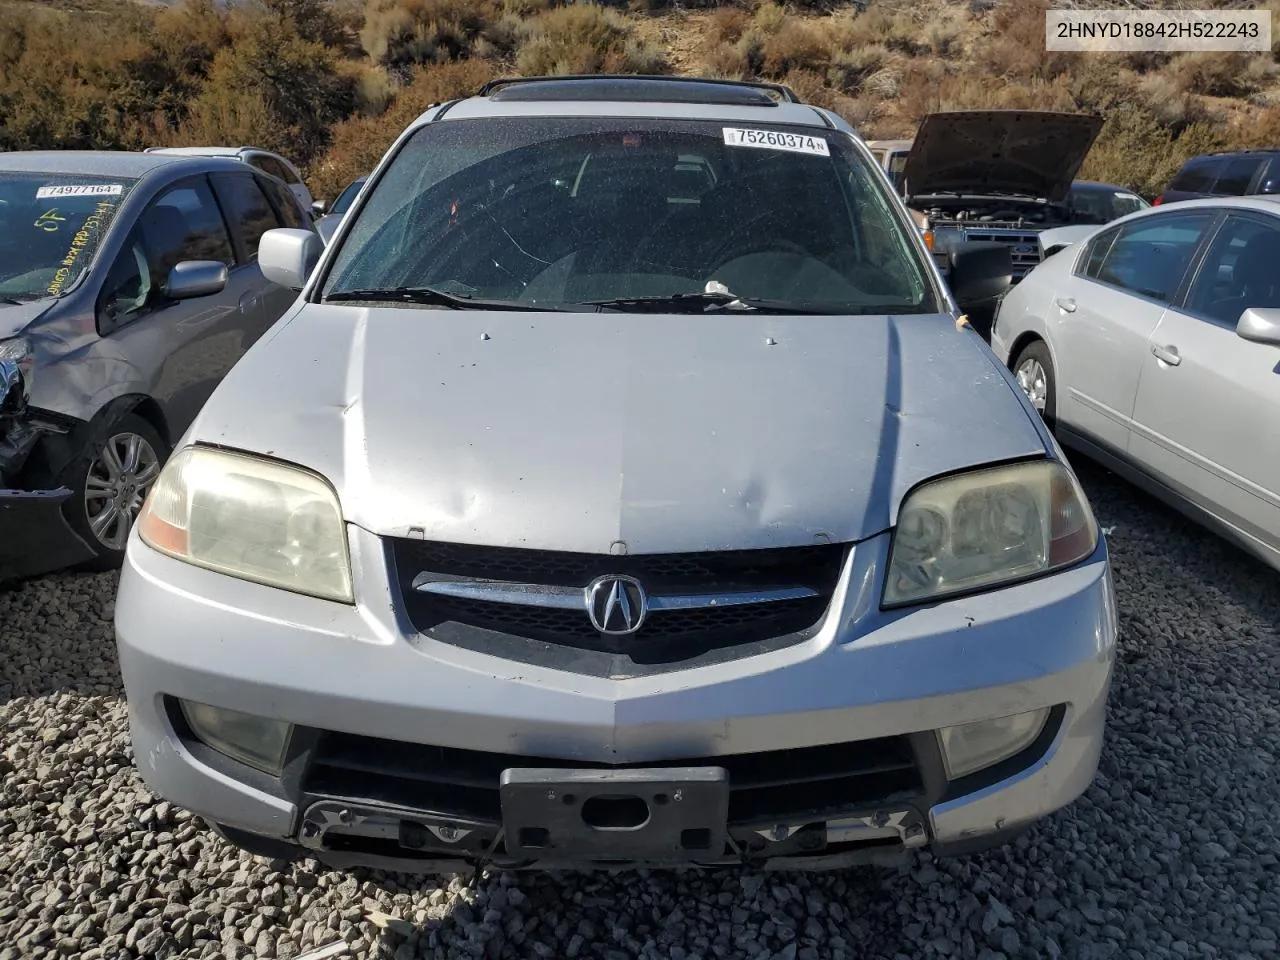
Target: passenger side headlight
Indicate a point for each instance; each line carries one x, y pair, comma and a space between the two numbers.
250, 518
988, 527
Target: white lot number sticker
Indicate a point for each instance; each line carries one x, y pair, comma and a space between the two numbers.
80, 190
776, 140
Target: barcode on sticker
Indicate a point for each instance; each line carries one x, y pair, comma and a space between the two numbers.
80, 190
776, 140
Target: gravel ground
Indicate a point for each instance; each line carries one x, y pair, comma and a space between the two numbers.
1172, 852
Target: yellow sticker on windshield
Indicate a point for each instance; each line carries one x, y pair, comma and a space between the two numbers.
49, 220
776, 140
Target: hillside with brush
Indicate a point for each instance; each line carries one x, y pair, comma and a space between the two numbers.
330, 84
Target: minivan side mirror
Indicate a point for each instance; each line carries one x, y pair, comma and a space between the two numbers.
1260, 325
318, 208
1269, 187
195, 278
287, 256
979, 272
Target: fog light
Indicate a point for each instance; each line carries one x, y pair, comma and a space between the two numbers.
256, 741
970, 747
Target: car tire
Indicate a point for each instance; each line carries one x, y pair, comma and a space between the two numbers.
104, 481
1033, 369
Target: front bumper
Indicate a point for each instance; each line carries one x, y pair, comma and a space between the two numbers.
35, 537
401, 741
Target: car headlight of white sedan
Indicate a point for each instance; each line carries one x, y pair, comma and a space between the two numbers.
987, 528
251, 518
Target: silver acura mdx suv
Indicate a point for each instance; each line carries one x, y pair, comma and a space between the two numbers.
623, 487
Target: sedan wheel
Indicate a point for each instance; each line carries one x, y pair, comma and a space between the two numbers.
117, 483
1034, 383
1033, 369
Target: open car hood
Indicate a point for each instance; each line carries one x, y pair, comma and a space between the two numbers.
1033, 153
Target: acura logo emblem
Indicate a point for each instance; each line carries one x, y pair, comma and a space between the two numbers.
616, 604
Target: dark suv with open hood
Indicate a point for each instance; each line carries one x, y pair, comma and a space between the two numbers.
996, 175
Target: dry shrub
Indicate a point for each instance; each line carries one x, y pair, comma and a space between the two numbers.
374, 89
770, 17
811, 88
527, 8
1015, 46
850, 69
724, 25
930, 88
1262, 130
1214, 74
1137, 151
358, 144
893, 30
796, 45
401, 33
584, 38
1170, 105
729, 46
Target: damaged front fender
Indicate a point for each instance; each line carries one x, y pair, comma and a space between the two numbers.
35, 537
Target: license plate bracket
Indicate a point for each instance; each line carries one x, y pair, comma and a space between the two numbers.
665, 813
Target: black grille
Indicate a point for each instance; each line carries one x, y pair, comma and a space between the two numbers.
1022, 262
816, 565
667, 639
764, 787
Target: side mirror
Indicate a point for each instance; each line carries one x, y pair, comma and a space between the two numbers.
327, 227
195, 278
979, 273
287, 256
318, 208
1269, 187
1260, 325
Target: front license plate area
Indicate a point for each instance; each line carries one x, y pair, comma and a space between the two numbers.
671, 813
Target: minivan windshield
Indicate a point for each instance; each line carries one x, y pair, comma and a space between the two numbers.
50, 228
588, 213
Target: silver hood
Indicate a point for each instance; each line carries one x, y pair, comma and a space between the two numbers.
572, 431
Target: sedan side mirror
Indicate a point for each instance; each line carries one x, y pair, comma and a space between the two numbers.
318, 208
1260, 325
195, 278
287, 256
326, 228
979, 273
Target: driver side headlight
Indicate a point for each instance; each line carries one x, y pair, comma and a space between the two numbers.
250, 518
986, 528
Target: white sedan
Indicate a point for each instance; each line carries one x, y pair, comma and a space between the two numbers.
1153, 346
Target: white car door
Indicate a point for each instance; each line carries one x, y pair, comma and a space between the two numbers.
1104, 313
1207, 417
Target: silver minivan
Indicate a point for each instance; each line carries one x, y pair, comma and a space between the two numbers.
623, 487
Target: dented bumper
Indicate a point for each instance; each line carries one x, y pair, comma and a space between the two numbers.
35, 537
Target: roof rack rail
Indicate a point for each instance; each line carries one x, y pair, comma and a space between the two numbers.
784, 92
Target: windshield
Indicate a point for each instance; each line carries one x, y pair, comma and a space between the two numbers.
1092, 205
347, 196
50, 227
897, 165
559, 212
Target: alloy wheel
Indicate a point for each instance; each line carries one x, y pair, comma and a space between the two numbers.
1031, 378
117, 484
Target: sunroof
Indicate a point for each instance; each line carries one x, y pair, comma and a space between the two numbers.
637, 89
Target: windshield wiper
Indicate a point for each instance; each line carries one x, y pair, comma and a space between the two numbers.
15, 301
432, 296
711, 300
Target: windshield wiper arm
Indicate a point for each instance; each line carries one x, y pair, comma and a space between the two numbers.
432, 296
711, 300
